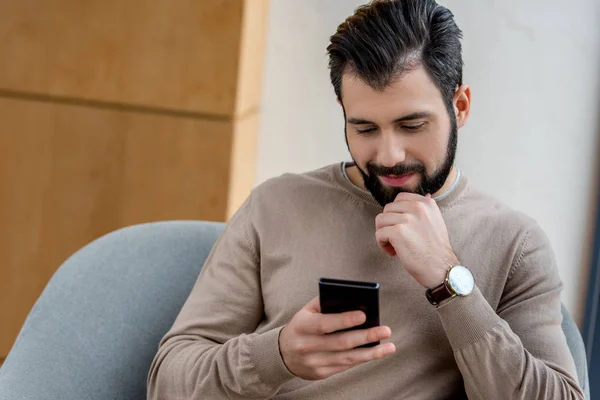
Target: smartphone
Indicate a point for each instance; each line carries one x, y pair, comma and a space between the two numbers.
339, 295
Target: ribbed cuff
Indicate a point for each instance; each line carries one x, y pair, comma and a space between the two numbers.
265, 356
467, 319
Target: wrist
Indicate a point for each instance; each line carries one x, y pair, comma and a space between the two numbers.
437, 277
459, 281
282, 350
439, 271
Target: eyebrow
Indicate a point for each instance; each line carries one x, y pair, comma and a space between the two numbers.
409, 117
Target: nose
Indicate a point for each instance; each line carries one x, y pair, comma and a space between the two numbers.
391, 150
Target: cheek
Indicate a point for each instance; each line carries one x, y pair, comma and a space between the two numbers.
431, 150
362, 149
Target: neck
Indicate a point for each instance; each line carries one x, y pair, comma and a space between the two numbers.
356, 178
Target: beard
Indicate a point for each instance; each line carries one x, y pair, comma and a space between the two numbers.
428, 183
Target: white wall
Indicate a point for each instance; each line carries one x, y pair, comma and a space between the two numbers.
302, 125
532, 140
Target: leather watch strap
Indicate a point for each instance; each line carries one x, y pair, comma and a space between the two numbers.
438, 294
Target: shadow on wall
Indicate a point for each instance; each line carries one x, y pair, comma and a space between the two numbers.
592, 229
592, 243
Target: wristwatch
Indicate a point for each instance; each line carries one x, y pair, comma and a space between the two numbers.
459, 282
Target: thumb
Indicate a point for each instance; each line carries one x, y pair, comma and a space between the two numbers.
314, 306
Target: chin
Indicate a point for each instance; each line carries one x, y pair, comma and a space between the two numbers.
401, 189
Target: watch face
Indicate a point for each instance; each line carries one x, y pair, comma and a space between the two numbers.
461, 280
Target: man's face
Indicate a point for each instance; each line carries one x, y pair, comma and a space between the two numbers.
401, 139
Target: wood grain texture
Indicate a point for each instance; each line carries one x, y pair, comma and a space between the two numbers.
70, 174
252, 55
116, 113
173, 54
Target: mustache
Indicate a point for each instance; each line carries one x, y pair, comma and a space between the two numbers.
397, 170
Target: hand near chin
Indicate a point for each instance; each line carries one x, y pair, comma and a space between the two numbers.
412, 228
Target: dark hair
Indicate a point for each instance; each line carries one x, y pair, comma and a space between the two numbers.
385, 38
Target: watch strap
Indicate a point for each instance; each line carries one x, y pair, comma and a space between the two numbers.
438, 294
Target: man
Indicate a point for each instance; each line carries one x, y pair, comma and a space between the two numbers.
400, 214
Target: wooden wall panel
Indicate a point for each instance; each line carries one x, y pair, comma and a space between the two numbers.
176, 54
251, 66
70, 174
176, 169
114, 113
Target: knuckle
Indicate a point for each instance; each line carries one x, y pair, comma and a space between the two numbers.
378, 353
372, 335
320, 328
302, 347
296, 327
350, 320
348, 360
311, 362
343, 360
346, 343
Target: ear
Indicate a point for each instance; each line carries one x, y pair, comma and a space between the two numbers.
462, 105
339, 101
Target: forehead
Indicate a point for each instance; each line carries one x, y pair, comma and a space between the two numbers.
413, 91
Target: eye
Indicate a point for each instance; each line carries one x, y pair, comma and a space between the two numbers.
414, 128
365, 131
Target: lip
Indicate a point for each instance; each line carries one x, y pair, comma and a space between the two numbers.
396, 181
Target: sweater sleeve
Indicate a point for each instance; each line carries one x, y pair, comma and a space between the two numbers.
211, 351
518, 351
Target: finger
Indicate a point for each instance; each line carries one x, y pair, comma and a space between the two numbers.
349, 340
383, 237
402, 207
352, 358
313, 306
415, 199
323, 324
389, 250
407, 196
390, 219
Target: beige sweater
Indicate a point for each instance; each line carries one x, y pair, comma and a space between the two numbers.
504, 341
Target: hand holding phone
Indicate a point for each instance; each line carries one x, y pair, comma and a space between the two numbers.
315, 345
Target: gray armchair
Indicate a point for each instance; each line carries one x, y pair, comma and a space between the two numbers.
93, 332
